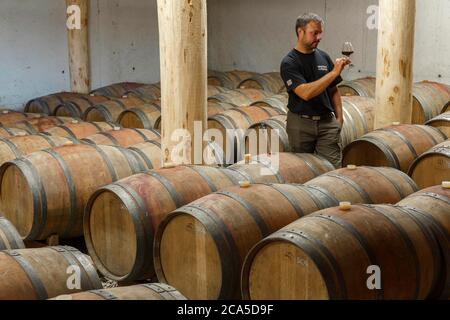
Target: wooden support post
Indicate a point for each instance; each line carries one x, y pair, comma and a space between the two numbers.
395, 62
78, 36
183, 54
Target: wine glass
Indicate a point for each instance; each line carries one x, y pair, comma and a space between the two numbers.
347, 50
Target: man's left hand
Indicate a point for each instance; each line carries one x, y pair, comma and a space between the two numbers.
340, 121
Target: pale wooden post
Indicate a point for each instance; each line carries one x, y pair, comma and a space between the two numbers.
183, 54
395, 62
78, 45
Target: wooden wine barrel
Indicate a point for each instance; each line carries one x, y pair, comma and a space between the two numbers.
278, 101
109, 111
45, 192
218, 107
213, 235
16, 147
137, 204
77, 106
146, 92
271, 82
213, 90
146, 116
240, 97
428, 100
6, 132
394, 146
80, 130
359, 115
264, 131
39, 274
116, 90
442, 122
47, 104
334, 251
233, 123
433, 203
230, 79
432, 167
366, 184
9, 237
150, 152
38, 125
364, 87
147, 291
8, 117
123, 137
287, 168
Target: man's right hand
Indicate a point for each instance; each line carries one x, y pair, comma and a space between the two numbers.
340, 64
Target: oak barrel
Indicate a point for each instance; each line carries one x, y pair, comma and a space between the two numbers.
47, 104
38, 125
278, 101
146, 116
116, 90
213, 235
366, 184
125, 137
80, 130
150, 152
232, 125
395, 146
432, 167
428, 100
16, 147
332, 254
146, 92
123, 216
109, 111
442, 122
271, 82
229, 79
39, 274
146, 291
8, 117
240, 97
364, 87
45, 193
77, 106
6, 132
9, 237
433, 203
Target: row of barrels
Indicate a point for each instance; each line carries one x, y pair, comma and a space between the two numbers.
429, 98
213, 234
52, 272
332, 253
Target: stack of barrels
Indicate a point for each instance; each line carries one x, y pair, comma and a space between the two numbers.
273, 226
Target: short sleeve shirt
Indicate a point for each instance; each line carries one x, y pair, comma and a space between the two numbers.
298, 68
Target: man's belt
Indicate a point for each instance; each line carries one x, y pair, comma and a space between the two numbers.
317, 118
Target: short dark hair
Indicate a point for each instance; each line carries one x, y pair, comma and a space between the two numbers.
306, 18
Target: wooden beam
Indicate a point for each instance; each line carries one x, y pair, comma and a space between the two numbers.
395, 62
183, 54
78, 37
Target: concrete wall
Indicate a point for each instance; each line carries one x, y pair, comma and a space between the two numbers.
256, 34
34, 57
243, 34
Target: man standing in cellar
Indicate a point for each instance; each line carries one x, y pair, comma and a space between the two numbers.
315, 118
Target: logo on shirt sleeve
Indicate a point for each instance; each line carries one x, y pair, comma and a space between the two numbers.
322, 68
289, 82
